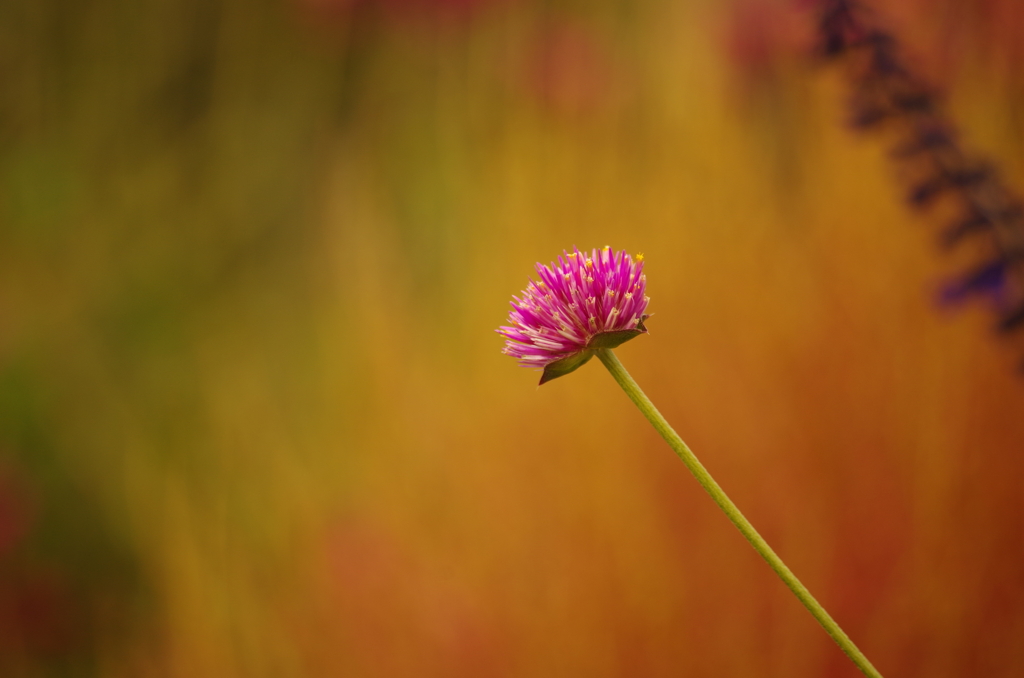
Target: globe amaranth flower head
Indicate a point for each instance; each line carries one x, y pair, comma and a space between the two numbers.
580, 304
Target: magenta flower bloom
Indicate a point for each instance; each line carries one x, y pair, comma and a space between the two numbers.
580, 304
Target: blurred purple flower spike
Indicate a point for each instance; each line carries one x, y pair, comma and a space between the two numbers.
988, 280
581, 303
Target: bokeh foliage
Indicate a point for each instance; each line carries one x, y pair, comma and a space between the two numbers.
254, 420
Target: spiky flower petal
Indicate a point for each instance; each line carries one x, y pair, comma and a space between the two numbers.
581, 302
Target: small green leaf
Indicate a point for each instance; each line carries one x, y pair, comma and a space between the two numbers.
612, 339
562, 367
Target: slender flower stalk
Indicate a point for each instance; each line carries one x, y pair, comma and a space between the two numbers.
586, 305
647, 408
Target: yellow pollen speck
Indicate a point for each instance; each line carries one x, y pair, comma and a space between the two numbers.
572, 255
611, 293
590, 279
629, 295
590, 263
639, 257
567, 277
606, 248
593, 320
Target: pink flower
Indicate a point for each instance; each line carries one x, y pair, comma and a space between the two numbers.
583, 303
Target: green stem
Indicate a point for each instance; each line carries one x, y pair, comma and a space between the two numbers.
742, 524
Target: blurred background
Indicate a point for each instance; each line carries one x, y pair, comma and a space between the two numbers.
254, 420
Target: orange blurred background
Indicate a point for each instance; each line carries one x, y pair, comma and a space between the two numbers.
254, 420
